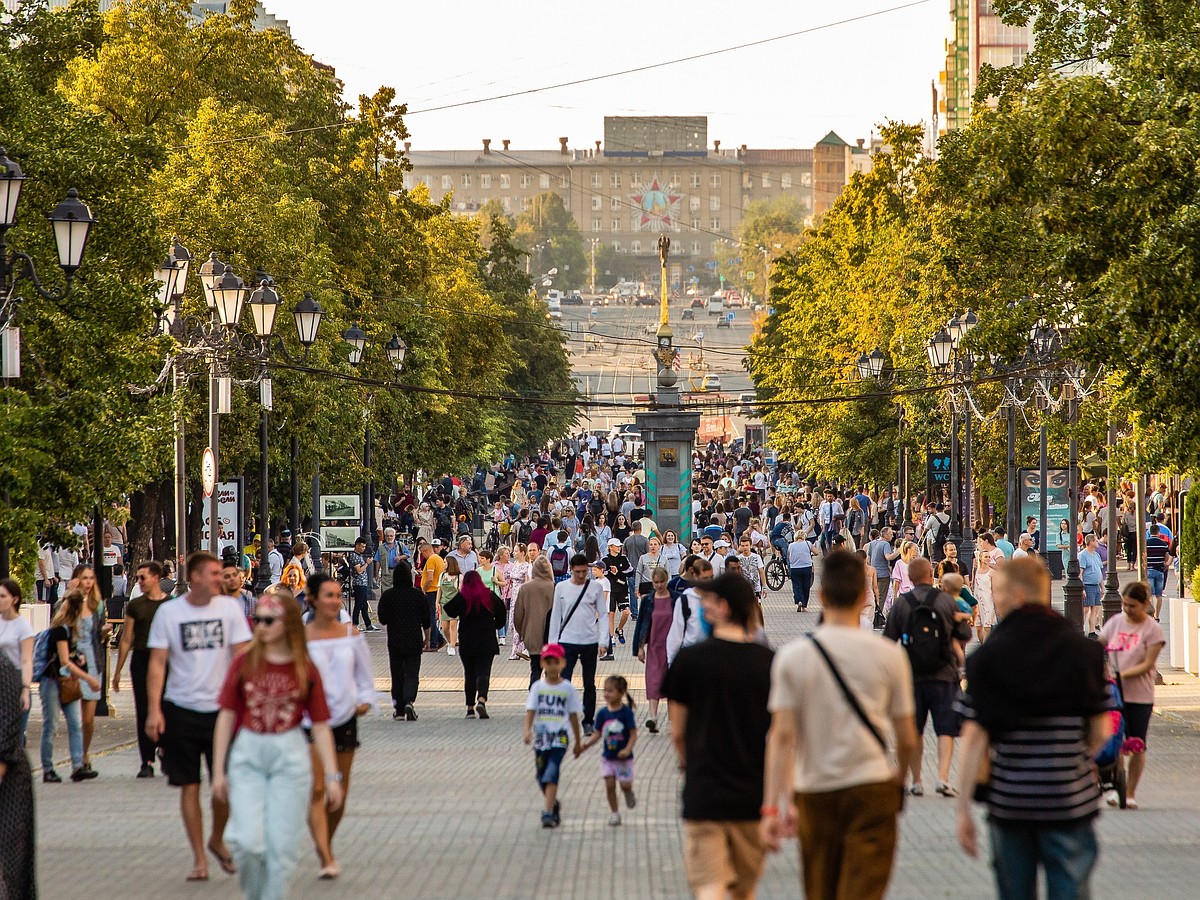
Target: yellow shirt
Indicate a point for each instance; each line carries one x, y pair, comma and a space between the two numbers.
431, 572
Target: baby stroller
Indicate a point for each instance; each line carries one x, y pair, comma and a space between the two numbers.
1109, 768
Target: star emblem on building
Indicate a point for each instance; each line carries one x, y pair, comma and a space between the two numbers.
656, 207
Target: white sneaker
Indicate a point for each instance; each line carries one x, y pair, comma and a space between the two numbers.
1112, 798
450, 651
614, 819
501, 642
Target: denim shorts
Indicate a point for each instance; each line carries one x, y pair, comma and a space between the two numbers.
1157, 580
1091, 595
549, 764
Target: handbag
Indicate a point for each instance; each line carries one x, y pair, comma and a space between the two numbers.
69, 689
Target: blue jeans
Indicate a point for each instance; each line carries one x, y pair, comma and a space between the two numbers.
802, 581
633, 596
270, 781
1158, 582
72, 712
1068, 856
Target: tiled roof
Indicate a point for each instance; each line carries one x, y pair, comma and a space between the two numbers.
832, 139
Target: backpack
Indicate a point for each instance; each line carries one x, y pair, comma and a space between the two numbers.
41, 653
525, 532
925, 637
560, 561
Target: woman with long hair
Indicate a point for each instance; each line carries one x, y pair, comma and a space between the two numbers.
448, 586
620, 529
480, 612
64, 661
603, 532
94, 632
340, 653
16, 641
518, 573
672, 553
266, 776
650, 639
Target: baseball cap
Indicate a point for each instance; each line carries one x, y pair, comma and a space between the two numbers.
552, 651
436, 542
613, 542
722, 544
257, 537
287, 532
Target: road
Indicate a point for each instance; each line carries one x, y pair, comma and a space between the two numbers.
447, 808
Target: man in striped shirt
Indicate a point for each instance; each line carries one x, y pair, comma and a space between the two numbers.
1037, 704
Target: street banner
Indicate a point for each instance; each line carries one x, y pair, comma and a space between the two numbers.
1058, 500
229, 512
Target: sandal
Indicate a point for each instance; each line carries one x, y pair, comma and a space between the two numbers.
329, 872
224, 861
198, 875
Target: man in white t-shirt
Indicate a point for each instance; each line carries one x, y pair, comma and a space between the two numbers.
579, 621
192, 641
848, 789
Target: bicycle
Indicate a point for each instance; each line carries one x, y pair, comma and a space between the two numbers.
777, 572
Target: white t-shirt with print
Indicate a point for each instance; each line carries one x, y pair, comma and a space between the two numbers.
199, 641
836, 749
552, 705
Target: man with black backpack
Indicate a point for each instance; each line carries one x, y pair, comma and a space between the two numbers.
579, 621
924, 622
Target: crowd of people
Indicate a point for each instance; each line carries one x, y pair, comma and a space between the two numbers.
821, 738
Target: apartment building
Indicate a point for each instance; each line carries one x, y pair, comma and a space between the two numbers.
648, 176
978, 36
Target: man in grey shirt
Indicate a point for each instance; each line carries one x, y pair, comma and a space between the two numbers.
881, 555
634, 547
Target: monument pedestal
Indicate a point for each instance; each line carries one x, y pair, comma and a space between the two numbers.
669, 433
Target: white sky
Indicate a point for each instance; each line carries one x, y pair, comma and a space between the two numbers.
847, 78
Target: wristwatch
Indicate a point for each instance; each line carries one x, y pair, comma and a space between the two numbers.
333, 776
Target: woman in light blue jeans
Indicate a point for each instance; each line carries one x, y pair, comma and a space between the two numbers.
267, 774
63, 660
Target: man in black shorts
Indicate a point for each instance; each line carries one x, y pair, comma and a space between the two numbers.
193, 638
935, 689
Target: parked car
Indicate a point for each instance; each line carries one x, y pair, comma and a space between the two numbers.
712, 382
573, 298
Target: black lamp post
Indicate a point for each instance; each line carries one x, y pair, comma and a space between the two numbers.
72, 223
264, 306
947, 356
1112, 587
1073, 589
870, 367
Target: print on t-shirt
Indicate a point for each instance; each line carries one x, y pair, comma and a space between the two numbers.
552, 705
206, 635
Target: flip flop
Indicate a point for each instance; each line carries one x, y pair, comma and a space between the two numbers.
197, 875
225, 862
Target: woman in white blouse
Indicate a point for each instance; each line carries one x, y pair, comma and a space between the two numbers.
671, 554
16, 640
340, 653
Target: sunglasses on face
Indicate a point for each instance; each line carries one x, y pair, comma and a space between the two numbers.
265, 620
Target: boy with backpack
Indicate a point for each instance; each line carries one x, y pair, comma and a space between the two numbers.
924, 622
559, 553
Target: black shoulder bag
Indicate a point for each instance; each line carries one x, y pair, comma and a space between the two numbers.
849, 695
566, 619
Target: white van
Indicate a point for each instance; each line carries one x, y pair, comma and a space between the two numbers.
715, 305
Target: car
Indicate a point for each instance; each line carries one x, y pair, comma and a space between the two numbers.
746, 403
645, 300
697, 303
574, 298
601, 300
712, 382
715, 305
652, 328
554, 308
726, 321
689, 314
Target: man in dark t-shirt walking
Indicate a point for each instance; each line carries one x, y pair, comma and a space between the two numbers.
139, 614
717, 691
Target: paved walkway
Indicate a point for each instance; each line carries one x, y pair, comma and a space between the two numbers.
447, 808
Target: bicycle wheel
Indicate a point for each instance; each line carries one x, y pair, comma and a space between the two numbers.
493, 539
776, 574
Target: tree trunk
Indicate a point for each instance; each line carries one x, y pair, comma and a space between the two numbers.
143, 507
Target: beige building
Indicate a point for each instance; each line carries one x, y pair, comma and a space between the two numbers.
648, 176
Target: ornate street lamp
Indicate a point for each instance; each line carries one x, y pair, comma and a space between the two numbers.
264, 306
211, 271
396, 349
940, 347
307, 317
229, 295
356, 338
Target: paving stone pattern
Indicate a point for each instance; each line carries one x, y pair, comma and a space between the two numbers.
447, 808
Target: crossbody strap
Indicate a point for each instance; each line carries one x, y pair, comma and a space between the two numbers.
849, 695
571, 612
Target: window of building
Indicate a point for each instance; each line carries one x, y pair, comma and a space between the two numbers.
616, 245
714, 203
696, 224
675, 180
614, 202
695, 179
427, 180
505, 182
693, 204
806, 179
524, 204
408, 181
526, 180
597, 202
447, 182
506, 202
614, 180
544, 181
747, 181
466, 181
563, 181
715, 224
696, 247
615, 225
595, 224
635, 247
785, 181
596, 179
485, 181
714, 180
766, 179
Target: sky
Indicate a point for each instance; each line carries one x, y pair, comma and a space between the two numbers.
847, 78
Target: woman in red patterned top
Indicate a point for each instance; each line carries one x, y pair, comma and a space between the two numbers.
266, 694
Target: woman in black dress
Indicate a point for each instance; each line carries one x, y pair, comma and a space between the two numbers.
17, 874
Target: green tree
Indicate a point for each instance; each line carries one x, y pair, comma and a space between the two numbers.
548, 233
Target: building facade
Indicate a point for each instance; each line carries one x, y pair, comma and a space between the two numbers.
978, 36
648, 176
263, 20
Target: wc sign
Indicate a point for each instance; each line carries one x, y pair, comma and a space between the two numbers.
938, 468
